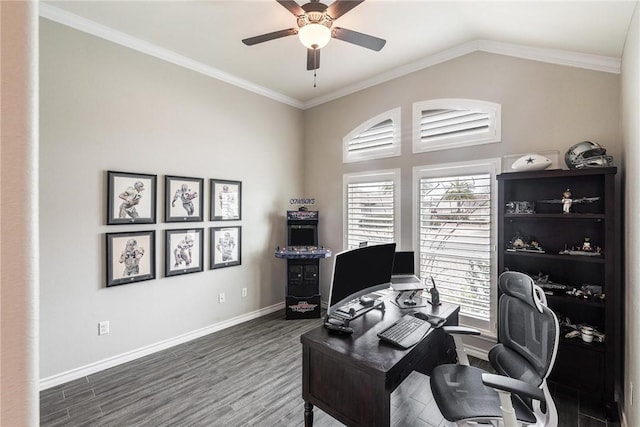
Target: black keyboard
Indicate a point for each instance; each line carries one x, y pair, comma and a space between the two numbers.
406, 331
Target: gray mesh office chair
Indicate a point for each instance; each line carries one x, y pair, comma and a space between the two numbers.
528, 335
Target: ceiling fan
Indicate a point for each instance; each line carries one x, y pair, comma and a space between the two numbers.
315, 20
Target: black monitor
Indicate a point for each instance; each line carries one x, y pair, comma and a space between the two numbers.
403, 263
303, 235
358, 272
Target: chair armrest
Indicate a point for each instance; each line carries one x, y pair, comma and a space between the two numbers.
513, 385
460, 330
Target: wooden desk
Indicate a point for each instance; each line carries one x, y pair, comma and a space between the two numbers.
351, 377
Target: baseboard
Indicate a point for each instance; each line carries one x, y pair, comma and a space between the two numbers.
110, 362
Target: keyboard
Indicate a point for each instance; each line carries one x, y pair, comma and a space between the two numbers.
405, 332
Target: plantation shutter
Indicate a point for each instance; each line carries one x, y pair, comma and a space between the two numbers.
377, 138
370, 213
446, 123
455, 240
449, 123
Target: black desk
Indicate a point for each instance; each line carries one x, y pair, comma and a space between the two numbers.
351, 377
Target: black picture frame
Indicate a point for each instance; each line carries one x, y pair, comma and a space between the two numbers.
183, 199
131, 198
225, 200
131, 257
225, 246
184, 251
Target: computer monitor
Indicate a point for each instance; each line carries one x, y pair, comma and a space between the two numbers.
403, 263
358, 272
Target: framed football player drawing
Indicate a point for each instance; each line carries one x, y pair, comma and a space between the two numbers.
225, 248
226, 198
131, 198
184, 251
130, 257
183, 199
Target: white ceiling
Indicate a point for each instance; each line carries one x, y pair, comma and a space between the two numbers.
206, 36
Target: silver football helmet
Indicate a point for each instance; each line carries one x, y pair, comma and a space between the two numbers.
587, 154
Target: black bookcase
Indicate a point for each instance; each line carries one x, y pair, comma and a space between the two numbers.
537, 237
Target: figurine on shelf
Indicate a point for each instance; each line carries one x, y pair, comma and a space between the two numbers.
586, 249
520, 244
517, 242
566, 201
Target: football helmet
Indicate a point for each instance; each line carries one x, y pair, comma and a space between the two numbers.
587, 154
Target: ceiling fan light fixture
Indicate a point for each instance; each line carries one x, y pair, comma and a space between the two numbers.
314, 36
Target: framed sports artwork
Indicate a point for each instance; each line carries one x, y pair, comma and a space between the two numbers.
130, 257
131, 198
183, 199
226, 200
184, 251
225, 248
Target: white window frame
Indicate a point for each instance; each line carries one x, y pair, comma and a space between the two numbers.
392, 150
491, 135
491, 166
372, 176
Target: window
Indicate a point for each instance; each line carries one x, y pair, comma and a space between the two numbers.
372, 202
450, 123
376, 138
456, 223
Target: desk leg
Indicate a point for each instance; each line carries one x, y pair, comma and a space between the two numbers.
308, 414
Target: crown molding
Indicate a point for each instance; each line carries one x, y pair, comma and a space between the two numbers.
91, 27
587, 61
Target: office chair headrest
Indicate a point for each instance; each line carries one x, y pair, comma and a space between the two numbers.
521, 286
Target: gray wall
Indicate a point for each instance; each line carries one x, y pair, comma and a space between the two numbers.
544, 107
631, 235
105, 107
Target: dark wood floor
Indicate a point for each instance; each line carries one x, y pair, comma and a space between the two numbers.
247, 375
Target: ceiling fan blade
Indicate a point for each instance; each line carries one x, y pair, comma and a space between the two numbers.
313, 59
292, 7
340, 7
364, 40
270, 36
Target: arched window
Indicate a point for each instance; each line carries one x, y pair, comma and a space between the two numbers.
451, 123
374, 139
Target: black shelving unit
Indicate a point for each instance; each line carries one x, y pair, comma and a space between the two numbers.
594, 367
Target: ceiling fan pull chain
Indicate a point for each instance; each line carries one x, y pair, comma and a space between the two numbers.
314, 78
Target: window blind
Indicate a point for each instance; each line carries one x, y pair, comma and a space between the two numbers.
455, 240
446, 123
370, 213
440, 124
377, 137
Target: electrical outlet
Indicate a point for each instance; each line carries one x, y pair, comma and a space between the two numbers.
244, 292
221, 298
103, 327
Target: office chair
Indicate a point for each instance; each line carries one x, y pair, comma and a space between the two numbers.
528, 334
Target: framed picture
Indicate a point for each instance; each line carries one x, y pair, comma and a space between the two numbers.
183, 251
183, 199
226, 198
131, 257
225, 247
131, 198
